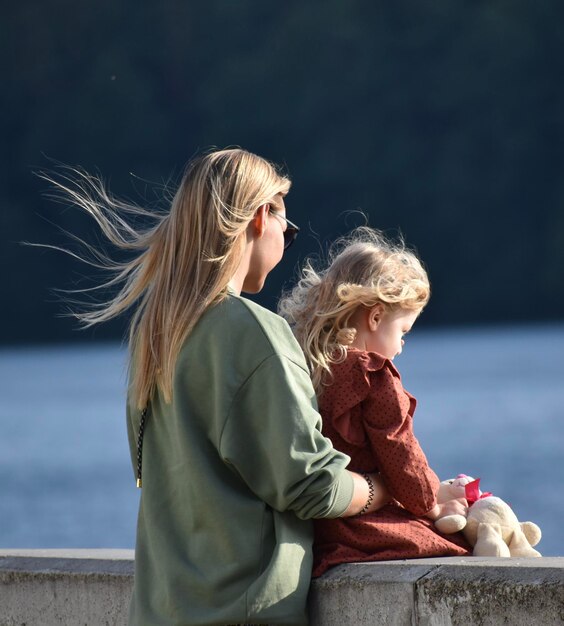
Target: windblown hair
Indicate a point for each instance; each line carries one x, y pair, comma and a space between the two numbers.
364, 269
181, 263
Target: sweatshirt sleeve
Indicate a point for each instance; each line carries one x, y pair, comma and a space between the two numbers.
272, 438
388, 422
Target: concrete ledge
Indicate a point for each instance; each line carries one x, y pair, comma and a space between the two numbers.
92, 588
442, 592
65, 587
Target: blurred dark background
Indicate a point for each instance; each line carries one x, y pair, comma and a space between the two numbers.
441, 119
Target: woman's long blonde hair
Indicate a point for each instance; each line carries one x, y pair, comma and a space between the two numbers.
182, 262
364, 269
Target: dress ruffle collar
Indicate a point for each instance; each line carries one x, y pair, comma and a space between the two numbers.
350, 383
349, 386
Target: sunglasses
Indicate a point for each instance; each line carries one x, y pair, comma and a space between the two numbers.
291, 231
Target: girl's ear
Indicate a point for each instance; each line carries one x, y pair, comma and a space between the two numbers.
375, 315
260, 219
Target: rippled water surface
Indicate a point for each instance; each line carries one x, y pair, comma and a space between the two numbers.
490, 404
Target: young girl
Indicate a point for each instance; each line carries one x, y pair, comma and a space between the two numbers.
350, 320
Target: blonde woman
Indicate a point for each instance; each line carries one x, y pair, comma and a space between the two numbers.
223, 427
351, 319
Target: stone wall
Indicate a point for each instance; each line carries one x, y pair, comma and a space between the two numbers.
442, 592
92, 588
65, 587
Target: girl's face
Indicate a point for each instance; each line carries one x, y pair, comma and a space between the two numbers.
387, 329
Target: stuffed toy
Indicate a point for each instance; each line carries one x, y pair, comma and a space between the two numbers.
491, 527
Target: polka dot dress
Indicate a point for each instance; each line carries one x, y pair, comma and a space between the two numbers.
368, 415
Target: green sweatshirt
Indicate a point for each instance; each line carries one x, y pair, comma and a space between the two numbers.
233, 470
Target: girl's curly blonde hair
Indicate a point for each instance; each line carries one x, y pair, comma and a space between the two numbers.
364, 269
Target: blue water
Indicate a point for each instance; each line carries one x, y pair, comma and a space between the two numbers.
490, 404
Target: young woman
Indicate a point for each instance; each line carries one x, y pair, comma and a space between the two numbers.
351, 319
224, 432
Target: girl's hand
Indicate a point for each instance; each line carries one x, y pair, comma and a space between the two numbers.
457, 506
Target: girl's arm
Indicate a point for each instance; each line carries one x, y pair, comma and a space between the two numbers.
387, 419
361, 495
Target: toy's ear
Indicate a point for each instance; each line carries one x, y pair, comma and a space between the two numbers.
532, 532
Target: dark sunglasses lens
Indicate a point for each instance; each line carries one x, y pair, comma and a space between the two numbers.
290, 235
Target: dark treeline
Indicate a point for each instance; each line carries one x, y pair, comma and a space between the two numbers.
442, 119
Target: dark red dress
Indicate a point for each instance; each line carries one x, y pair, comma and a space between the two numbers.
368, 415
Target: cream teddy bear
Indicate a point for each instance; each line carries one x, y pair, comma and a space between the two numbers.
491, 526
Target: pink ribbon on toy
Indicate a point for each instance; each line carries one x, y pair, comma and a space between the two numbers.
473, 492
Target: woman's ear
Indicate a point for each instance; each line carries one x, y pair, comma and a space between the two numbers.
260, 219
375, 315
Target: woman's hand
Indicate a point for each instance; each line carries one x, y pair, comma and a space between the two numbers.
457, 506
362, 492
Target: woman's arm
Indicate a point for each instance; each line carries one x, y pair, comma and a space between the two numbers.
272, 439
380, 497
362, 497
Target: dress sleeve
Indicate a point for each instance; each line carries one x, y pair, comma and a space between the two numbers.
272, 438
388, 421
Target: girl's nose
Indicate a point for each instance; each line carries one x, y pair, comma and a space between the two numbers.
402, 343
